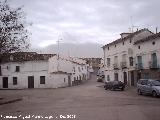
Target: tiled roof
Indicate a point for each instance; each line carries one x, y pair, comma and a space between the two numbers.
125, 38
72, 61
24, 56
151, 37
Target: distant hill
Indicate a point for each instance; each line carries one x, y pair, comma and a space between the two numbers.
73, 50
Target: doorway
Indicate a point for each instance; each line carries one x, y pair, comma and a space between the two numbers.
139, 75
125, 77
5, 82
30, 81
69, 80
132, 78
116, 76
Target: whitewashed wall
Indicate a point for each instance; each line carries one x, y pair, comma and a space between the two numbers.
146, 49
32, 68
68, 66
119, 50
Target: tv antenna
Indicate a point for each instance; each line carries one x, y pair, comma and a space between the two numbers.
131, 29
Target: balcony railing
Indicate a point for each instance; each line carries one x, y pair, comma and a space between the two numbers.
123, 65
115, 66
153, 65
139, 66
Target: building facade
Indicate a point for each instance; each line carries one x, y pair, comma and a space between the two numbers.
32, 70
128, 58
77, 69
95, 63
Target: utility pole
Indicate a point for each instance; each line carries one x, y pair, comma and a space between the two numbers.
58, 43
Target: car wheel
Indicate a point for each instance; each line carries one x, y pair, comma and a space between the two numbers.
154, 94
122, 89
113, 88
139, 92
110, 88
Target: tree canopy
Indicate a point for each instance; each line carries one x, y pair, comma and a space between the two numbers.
14, 37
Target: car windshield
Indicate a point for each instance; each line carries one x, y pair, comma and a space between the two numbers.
156, 83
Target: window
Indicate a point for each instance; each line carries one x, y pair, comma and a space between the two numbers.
116, 60
154, 60
17, 68
115, 45
139, 47
123, 43
108, 62
79, 69
124, 56
64, 79
116, 76
108, 78
82, 67
139, 60
14, 80
108, 48
153, 43
130, 40
0, 71
131, 61
74, 69
42, 79
144, 82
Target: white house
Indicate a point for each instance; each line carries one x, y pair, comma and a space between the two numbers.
32, 70
120, 56
147, 57
77, 69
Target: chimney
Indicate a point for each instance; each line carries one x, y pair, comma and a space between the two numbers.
123, 35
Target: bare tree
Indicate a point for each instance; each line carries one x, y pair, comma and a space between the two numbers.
14, 36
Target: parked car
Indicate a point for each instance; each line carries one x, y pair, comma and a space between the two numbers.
148, 86
99, 79
112, 85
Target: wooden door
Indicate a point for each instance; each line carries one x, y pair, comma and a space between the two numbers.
5, 82
30, 81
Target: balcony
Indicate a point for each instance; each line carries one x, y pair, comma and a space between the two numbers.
123, 65
115, 66
153, 65
139, 66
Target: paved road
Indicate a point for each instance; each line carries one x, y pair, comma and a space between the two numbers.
88, 101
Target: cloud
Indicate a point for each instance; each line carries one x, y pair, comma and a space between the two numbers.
83, 21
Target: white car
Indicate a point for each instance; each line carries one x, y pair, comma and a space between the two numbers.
148, 86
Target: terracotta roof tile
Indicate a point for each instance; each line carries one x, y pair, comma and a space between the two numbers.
24, 56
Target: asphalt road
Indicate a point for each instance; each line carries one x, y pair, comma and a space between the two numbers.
88, 101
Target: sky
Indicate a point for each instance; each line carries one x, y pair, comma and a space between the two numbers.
86, 21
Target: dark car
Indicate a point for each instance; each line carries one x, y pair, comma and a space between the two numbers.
99, 79
113, 85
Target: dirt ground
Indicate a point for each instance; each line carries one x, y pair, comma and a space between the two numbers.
88, 101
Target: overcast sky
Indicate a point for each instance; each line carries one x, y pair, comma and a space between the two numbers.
86, 21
